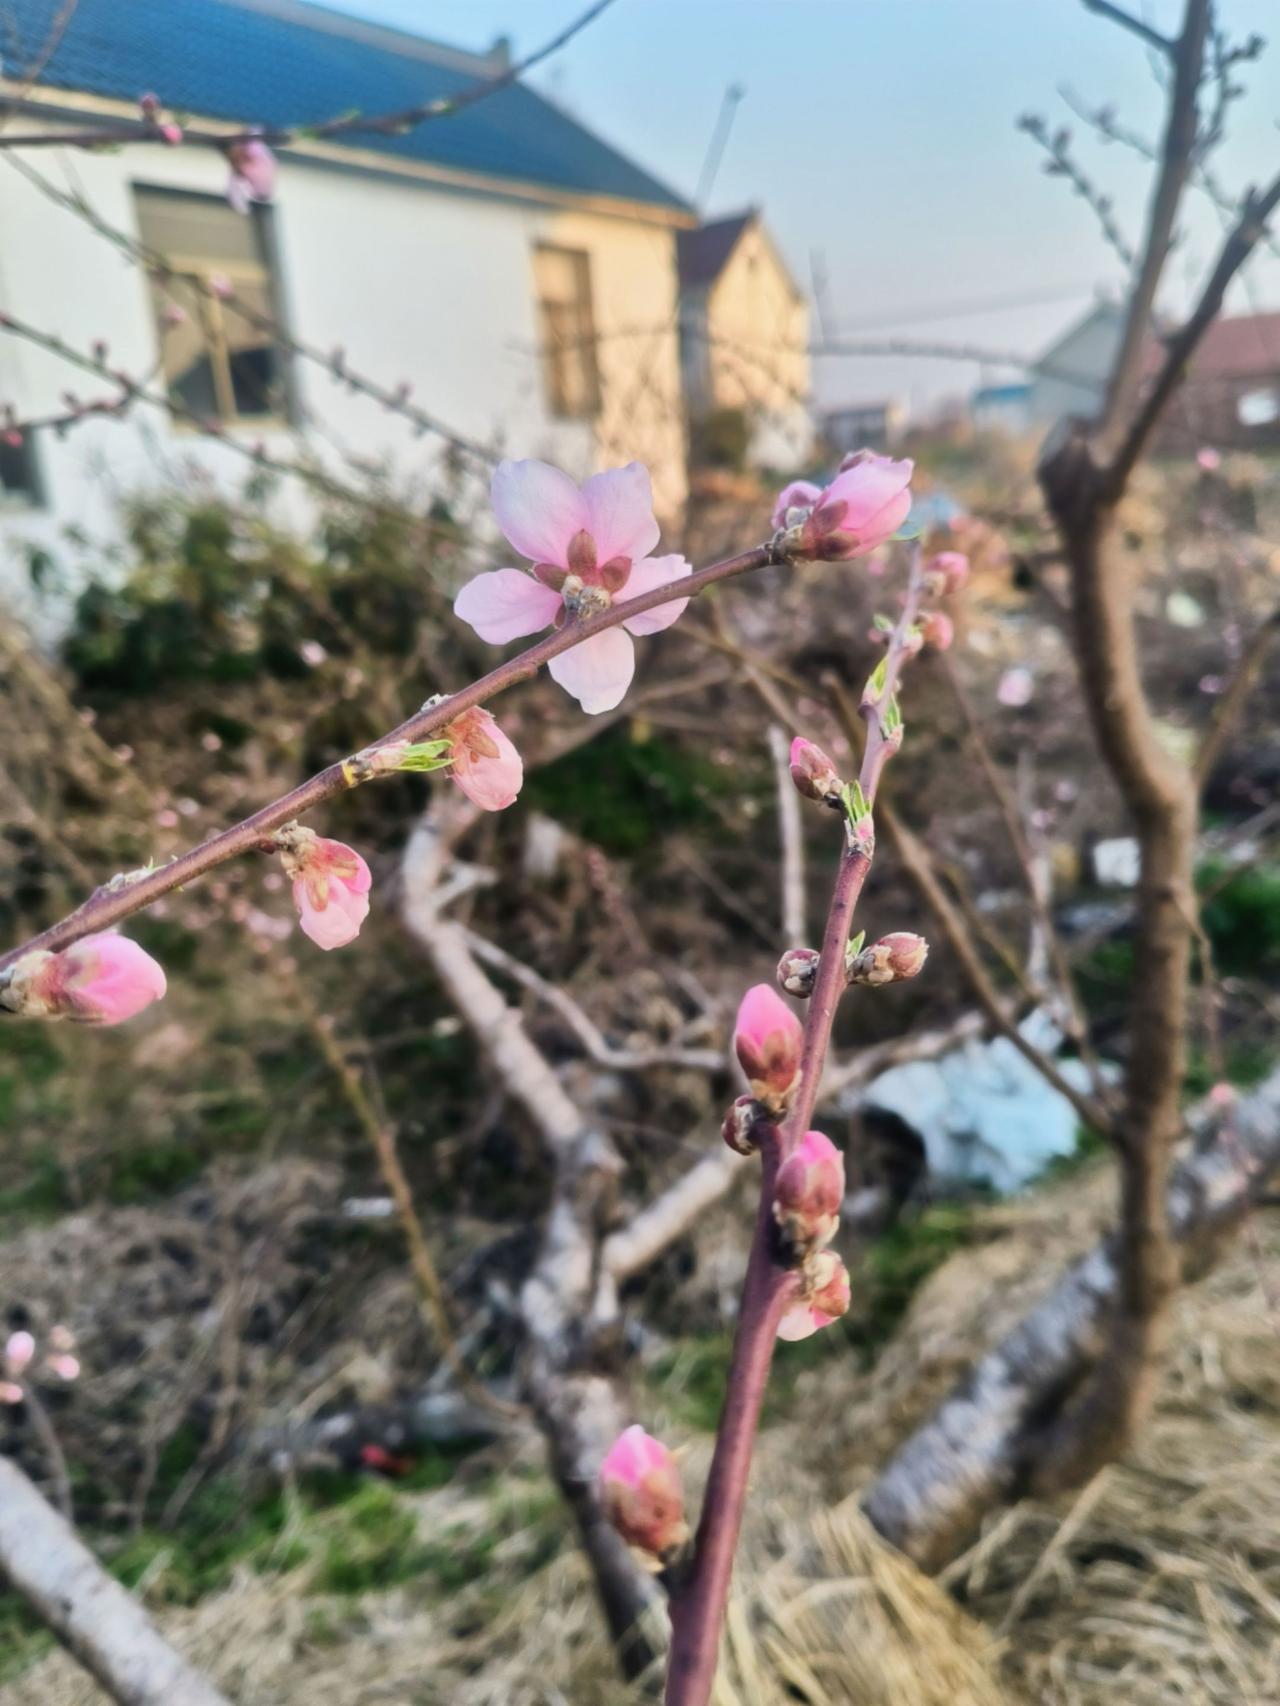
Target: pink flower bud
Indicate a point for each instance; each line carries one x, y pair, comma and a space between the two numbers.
10, 1392
741, 1128
64, 1366
767, 1037
149, 105
640, 1491
892, 959
62, 1338
797, 970
1208, 459
331, 884
485, 764
808, 1192
813, 773
18, 1352
253, 173
937, 630
951, 569
800, 494
172, 315
864, 505
824, 1297
101, 980
172, 134
220, 286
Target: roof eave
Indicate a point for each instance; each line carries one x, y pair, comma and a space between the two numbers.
63, 103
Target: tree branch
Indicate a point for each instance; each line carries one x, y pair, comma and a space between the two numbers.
1126, 20
111, 904
93, 1617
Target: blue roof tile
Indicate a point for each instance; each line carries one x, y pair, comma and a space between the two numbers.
226, 61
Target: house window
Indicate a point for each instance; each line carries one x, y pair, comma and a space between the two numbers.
1258, 408
218, 362
19, 481
563, 279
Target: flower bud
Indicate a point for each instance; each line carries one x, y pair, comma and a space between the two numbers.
813, 773
864, 505
767, 1037
100, 980
797, 970
18, 1352
824, 1297
951, 568
640, 1491
892, 959
331, 884
808, 1193
741, 1128
937, 630
486, 766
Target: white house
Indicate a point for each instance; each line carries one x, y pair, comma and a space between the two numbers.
505, 263
1070, 377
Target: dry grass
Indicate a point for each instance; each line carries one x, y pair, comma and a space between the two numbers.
1159, 1583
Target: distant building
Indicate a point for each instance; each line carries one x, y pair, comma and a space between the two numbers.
1070, 377
879, 426
744, 337
1230, 397
1002, 408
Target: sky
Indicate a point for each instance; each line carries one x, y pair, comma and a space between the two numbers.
879, 138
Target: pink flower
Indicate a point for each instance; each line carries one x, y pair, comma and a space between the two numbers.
937, 630
951, 568
824, 1299
10, 1392
1208, 459
864, 505
1016, 687
331, 884
172, 134
172, 315
18, 1352
586, 544
640, 1491
800, 494
253, 173
101, 980
64, 1366
809, 1191
486, 766
767, 1037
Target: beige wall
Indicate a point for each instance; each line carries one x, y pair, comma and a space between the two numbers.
759, 330
634, 297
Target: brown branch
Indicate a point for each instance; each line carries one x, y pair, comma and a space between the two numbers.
1126, 20
568, 1306
1231, 706
95, 1619
1178, 151
111, 904
699, 1597
985, 1445
1249, 231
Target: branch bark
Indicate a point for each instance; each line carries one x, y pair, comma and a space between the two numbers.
985, 1446
95, 1619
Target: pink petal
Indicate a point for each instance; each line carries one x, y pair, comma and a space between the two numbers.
506, 604
645, 575
868, 487
18, 1352
338, 921
800, 494
598, 672
620, 510
801, 1321
492, 783
539, 509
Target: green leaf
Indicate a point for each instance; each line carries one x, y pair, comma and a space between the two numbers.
426, 755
